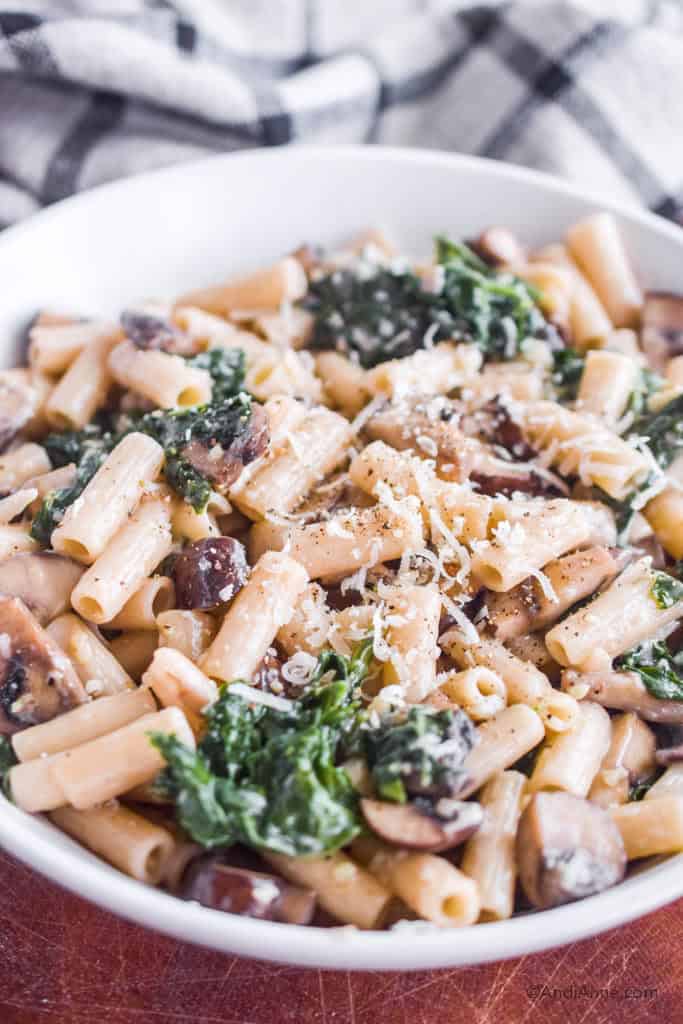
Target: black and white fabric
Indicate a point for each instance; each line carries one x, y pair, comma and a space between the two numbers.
92, 90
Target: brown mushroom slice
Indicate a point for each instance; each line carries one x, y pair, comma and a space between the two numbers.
662, 328
495, 423
493, 475
567, 848
235, 890
223, 465
498, 246
405, 825
629, 761
209, 572
149, 331
43, 580
430, 426
622, 691
37, 680
18, 402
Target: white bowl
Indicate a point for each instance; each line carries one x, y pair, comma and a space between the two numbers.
165, 232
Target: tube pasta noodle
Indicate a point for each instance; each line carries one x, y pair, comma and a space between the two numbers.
348, 541
345, 889
109, 499
98, 770
167, 380
15, 539
606, 384
264, 605
597, 247
524, 683
21, 464
80, 392
125, 839
650, 827
264, 289
434, 889
479, 691
186, 631
54, 347
571, 760
489, 857
440, 532
618, 619
316, 447
580, 445
151, 599
413, 616
84, 723
97, 667
133, 553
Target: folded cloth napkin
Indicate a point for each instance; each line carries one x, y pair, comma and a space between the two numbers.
91, 90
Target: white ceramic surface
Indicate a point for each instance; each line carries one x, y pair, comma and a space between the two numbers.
162, 233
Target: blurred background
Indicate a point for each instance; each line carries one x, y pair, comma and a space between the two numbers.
92, 90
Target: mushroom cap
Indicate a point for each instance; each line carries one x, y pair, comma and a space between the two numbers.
408, 826
567, 848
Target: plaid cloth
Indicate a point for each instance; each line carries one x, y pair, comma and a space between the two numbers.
91, 90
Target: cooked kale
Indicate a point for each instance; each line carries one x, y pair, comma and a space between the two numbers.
7, 759
646, 385
660, 670
640, 789
226, 367
666, 590
663, 431
566, 374
421, 756
217, 423
377, 312
270, 778
55, 504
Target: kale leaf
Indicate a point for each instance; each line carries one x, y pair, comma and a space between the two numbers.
660, 670
270, 778
665, 590
663, 431
420, 757
647, 384
226, 367
566, 374
219, 422
7, 760
377, 312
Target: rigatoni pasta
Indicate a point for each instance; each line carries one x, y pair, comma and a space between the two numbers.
363, 567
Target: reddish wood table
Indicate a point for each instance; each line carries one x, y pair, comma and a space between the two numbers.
63, 961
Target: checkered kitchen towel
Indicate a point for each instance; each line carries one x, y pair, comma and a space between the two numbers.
91, 90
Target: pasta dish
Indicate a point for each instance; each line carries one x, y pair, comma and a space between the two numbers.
348, 591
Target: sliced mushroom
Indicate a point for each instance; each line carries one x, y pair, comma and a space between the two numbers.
43, 581
332, 496
494, 422
18, 402
498, 246
148, 331
223, 465
567, 849
430, 426
233, 890
662, 328
209, 572
629, 761
37, 680
408, 826
622, 691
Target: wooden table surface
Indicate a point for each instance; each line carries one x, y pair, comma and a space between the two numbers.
64, 961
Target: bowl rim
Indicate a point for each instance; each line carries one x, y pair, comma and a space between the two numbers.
418, 948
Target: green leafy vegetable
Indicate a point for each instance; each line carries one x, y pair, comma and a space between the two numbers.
665, 590
421, 756
663, 431
660, 670
638, 791
647, 384
566, 374
7, 760
219, 423
269, 778
377, 312
226, 367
